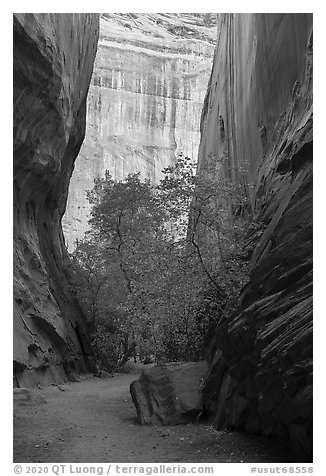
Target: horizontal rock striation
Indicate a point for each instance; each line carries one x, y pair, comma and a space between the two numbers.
150, 77
53, 63
258, 113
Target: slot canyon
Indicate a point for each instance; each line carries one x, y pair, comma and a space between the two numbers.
132, 93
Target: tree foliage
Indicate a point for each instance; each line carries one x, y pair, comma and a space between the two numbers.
160, 263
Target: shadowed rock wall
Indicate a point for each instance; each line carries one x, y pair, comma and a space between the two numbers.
53, 63
258, 112
150, 77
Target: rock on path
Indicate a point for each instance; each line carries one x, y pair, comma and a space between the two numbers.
94, 421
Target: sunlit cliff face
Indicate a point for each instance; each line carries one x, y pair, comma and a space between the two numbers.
145, 101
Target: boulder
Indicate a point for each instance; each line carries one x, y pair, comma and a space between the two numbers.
169, 394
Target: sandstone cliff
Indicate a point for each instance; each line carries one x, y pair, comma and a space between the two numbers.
53, 62
258, 111
150, 77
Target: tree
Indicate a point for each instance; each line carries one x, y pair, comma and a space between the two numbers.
123, 257
150, 279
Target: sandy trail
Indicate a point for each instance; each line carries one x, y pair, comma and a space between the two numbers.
93, 421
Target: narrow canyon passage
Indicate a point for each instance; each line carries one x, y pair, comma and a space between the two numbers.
94, 421
214, 264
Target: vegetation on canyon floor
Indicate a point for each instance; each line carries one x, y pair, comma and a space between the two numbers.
161, 264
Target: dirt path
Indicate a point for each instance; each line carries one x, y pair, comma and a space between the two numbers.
93, 421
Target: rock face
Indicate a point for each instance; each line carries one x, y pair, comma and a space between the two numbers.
150, 77
27, 396
53, 62
168, 394
258, 111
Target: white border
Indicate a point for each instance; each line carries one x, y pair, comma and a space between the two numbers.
319, 195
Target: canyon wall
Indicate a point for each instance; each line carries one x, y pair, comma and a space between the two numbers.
258, 112
53, 63
150, 77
